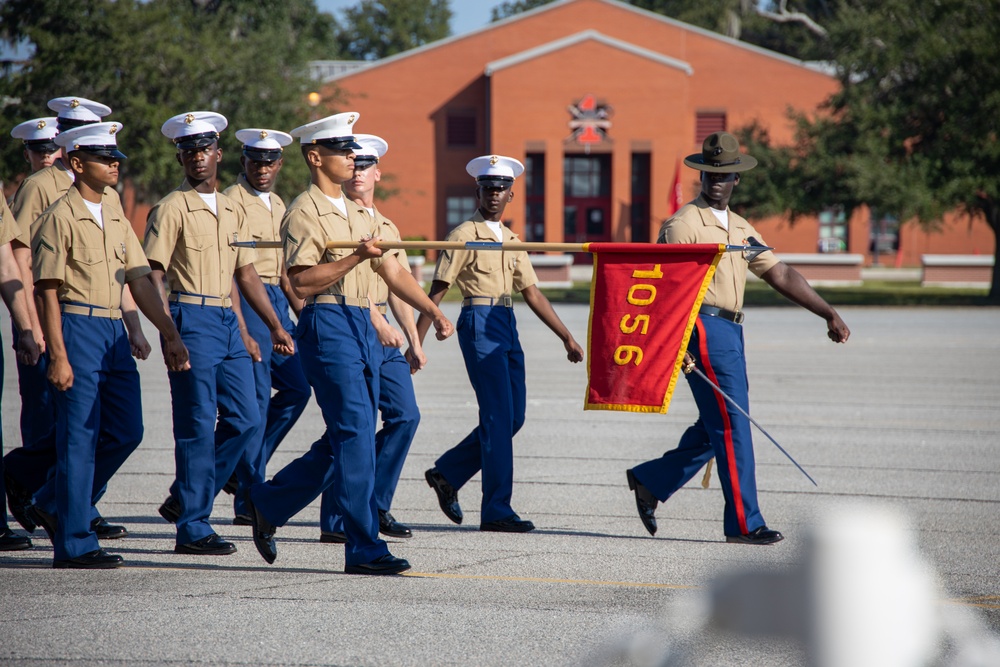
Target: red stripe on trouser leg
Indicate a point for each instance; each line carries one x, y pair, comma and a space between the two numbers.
734, 476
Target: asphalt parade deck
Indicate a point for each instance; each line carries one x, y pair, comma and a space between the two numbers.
904, 416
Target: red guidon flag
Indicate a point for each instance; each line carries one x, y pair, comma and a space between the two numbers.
644, 299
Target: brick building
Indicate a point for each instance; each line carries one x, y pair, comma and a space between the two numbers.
600, 101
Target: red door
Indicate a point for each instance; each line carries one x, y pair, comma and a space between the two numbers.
586, 200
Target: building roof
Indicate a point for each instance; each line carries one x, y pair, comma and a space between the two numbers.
562, 3
586, 35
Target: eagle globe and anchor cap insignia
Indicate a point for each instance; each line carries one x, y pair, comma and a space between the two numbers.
590, 121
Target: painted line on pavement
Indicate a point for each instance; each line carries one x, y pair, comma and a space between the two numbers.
547, 580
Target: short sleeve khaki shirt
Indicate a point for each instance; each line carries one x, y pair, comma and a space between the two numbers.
193, 244
387, 231
311, 222
489, 273
9, 229
91, 263
264, 225
39, 191
695, 223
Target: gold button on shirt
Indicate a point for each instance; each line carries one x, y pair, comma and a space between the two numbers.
387, 231
192, 243
311, 222
93, 264
491, 273
264, 225
9, 229
695, 223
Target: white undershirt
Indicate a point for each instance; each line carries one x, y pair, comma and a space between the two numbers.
264, 197
339, 203
371, 211
210, 202
95, 210
495, 227
721, 216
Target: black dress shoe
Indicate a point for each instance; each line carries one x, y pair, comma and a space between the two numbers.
99, 559
18, 501
232, 484
105, 531
336, 537
263, 531
447, 495
645, 502
762, 535
170, 509
213, 545
242, 520
11, 541
387, 564
387, 525
43, 519
512, 524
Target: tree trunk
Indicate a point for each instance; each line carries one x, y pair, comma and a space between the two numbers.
991, 208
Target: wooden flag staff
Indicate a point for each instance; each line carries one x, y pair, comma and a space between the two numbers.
475, 245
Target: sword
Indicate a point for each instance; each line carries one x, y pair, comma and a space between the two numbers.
691, 368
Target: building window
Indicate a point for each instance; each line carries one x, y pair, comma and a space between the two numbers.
587, 175
832, 230
707, 122
884, 234
461, 128
458, 210
640, 198
534, 186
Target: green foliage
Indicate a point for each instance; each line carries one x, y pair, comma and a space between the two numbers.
381, 28
150, 60
913, 130
415, 252
507, 9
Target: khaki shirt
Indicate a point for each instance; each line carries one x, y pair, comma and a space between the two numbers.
388, 232
92, 264
695, 223
264, 224
311, 222
491, 273
40, 190
9, 229
192, 244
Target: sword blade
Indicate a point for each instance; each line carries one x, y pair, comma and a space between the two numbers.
753, 421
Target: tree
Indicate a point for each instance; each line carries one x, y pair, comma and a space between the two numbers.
913, 129
507, 9
382, 28
149, 60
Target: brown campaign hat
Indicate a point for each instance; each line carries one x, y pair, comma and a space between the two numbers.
720, 154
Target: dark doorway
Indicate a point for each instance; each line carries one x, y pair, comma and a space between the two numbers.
586, 200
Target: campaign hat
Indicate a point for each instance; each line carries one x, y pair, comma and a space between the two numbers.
720, 154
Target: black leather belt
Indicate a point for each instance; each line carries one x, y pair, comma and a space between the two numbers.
731, 315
